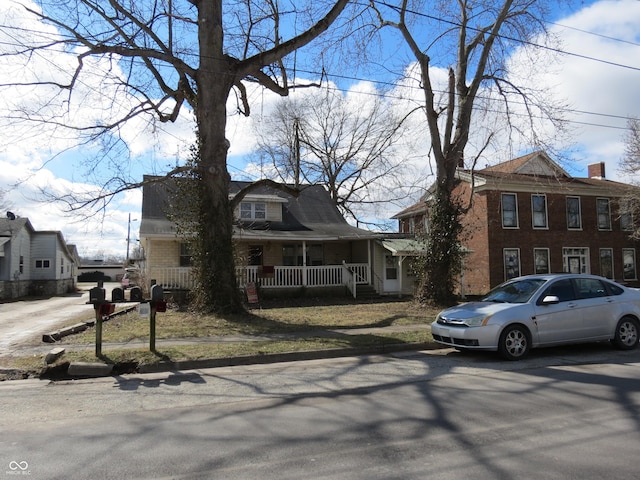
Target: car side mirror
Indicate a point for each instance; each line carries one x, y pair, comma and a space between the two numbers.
550, 300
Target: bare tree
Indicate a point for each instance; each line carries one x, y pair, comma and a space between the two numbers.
156, 58
476, 38
630, 165
346, 144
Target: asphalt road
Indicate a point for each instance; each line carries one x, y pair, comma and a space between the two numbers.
570, 413
25, 320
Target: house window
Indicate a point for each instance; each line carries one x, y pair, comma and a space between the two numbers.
255, 255
21, 264
290, 255
509, 210
574, 216
253, 211
576, 260
606, 262
539, 211
61, 266
315, 254
626, 217
43, 264
629, 264
541, 260
604, 214
511, 263
185, 255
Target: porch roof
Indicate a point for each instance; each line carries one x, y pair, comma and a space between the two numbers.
404, 247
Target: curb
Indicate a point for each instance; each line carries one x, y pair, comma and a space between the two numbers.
93, 369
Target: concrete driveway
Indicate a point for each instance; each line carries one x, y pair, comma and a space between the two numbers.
26, 320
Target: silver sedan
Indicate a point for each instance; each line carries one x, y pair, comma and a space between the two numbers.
543, 310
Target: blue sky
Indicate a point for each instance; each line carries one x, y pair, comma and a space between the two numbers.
599, 96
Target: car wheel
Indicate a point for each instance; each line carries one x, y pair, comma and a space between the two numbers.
626, 334
515, 343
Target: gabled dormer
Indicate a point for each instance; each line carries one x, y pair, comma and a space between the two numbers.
260, 208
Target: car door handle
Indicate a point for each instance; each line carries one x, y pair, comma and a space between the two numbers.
571, 305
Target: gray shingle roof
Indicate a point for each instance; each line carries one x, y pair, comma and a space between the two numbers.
311, 215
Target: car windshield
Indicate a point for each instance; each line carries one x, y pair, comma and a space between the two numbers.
518, 291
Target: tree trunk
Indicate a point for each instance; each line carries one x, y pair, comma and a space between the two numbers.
217, 288
444, 259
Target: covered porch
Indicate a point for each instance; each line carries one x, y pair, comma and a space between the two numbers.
349, 275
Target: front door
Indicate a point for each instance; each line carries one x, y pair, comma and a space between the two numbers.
391, 269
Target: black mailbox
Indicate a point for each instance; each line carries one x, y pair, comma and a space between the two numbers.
136, 294
157, 293
96, 295
117, 295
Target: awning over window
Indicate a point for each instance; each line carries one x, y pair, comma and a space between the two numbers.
404, 247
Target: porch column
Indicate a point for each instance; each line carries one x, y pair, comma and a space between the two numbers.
304, 263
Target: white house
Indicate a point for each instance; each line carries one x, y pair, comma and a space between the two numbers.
34, 262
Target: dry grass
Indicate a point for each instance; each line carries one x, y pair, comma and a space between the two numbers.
312, 316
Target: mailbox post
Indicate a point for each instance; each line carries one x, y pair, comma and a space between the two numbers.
157, 305
102, 308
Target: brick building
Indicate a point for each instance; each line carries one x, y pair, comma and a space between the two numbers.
529, 216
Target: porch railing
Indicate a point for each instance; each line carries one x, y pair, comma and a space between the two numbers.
275, 277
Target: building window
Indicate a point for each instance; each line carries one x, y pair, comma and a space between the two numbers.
185, 255
574, 216
43, 264
290, 255
539, 211
256, 255
509, 210
61, 266
253, 211
511, 263
576, 260
606, 262
629, 264
626, 217
604, 214
541, 260
21, 264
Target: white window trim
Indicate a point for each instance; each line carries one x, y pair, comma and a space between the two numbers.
607, 229
585, 256
635, 263
613, 268
546, 212
43, 260
548, 251
515, 196
504, 258
253, 210
579, 227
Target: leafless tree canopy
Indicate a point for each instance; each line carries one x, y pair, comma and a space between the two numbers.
342, 143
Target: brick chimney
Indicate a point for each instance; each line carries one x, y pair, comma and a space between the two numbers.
596, 170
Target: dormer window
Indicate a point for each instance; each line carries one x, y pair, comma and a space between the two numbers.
253, 211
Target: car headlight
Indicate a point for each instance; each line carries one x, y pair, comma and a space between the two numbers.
477, 321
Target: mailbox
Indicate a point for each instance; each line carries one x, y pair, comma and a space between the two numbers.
96, 295
136, 294
157, 293
117, 295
